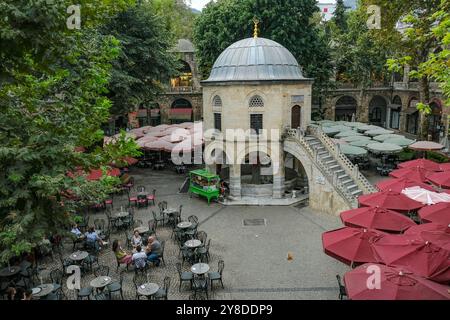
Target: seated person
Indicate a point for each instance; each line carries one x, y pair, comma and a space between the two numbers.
153, 250
139, 258
27, 295
136, 240
76, 231
121, 255
93, 240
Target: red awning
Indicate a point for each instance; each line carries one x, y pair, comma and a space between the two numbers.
183, 111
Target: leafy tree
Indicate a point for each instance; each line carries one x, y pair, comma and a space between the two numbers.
144, 61
290, 23
52, 99
339, 16
177, 16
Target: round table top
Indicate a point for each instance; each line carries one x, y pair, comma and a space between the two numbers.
200, 268
78, 255
147, 289
184, 225
43, 290
142, 229
9, 272
170, 211
100, 282
122, 214
193, 243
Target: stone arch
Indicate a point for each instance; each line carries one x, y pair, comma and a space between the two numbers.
345, 106
217, 102
212, 147
254, 93
181, 103
395, 112
256, 101
378, 110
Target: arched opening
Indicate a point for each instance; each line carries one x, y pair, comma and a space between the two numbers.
412, 117
256, 169
295, 175
377, 111
181, 111
183, 81
345, 108
296, 113
435, 126
396, 108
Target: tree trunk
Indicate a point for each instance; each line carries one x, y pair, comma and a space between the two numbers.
424, 92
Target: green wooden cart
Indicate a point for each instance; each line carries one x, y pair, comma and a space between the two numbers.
205, 184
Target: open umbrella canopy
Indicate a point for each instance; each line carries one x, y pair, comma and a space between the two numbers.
399, 184
390, 200
385, 148
432, 226
350, 245
330, 130
438, 213
367, 127
421, 163
424, 258
425, 196
441, 179
355, 124
360, 143
351, 150
426, 146
348, 133
145, 139
357, 138
383, 137
377, 132
326, 123
159, 145
376, 218
417, 174
402, 142
396, 283
97, 174
339, 141
444, 166
340, 127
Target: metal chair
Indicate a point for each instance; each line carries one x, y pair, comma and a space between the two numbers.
217, 276
184, 276
116, 286
158, 217
342, 291
152, 197
101, 271
203, 252
200, 285
138, 280
163, 292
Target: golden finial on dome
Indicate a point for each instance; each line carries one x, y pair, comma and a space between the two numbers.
255, 30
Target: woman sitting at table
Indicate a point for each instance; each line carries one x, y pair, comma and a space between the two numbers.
121, 255
137, 239
93, 240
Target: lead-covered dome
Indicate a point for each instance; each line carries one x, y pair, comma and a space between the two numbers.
255, 59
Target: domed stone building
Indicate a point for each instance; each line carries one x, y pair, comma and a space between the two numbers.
255, 84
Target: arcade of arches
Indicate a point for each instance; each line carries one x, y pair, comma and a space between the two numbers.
394, 111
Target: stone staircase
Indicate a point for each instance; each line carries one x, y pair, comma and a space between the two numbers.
342, 174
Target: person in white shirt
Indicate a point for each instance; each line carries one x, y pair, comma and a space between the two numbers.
139, 258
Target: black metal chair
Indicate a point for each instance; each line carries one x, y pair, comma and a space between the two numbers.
116, 286
163, 292
138, 280
161, 255
184, 276
158, 217
217, 276
203, 252
84, 293
200, 286
342, 290
101, 271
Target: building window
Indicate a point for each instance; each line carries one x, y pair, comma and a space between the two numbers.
395, 118
256, 122
218, 121
217, 102
256, 102
325, 10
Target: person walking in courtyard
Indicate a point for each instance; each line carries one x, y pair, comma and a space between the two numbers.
153, 250
121, 255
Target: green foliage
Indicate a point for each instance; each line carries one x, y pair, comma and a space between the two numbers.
437, 157
291, 23
144, 61
406, 155
177, 17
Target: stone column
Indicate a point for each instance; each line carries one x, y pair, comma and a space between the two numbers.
388, 117
235, 181
278, 174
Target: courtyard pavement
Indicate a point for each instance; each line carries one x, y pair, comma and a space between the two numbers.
256, 264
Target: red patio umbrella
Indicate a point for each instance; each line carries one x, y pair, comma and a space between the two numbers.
399, 184
417, 174
376, 218
423, 257
396, 283
159, 145
96, 174
350, 245
441, 179
417, 229
421, 163
390, 200
438, 213
445, 166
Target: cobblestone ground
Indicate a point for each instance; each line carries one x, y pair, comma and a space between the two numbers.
256, 264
